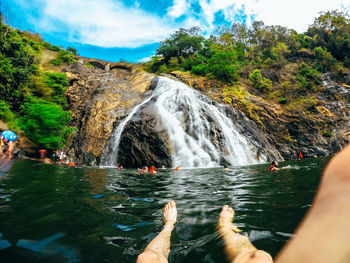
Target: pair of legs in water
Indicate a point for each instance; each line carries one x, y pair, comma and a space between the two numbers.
322, 237
237, 247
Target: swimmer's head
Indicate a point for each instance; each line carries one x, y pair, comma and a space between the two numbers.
274, 163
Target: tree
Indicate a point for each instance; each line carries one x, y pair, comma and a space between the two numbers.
223, 66
16, 64
182, 43
324, 60
72, 50
331, 31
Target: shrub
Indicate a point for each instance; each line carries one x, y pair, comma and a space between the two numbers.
66, 57
324, 60
45, 123
163, 68
327, 134
200, 69
51, 47
283, 100
56, 62
259, 82
308, 77
58, 82
51, 86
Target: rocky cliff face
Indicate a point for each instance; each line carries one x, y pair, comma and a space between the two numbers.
145, 141
99, 99
323, 130
101, 96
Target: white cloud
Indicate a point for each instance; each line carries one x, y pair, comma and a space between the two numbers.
146, 59
179, 8
296, 14
109, 23
104, 23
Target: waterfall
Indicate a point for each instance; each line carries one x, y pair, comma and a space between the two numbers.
190, 119
111, 159
200, 133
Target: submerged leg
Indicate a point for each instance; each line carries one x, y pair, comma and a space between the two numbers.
158, 249
237, 247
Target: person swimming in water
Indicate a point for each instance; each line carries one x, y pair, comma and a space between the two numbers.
274, 166
300, 155
152, 170
322, 237
144, 169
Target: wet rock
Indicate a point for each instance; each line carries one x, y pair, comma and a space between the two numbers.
281, 134
145, 141
98, 99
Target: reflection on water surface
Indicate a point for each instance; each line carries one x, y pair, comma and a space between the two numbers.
63, 214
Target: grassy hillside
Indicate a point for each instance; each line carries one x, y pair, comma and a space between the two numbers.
32, 90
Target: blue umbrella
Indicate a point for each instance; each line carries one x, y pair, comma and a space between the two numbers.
9, 135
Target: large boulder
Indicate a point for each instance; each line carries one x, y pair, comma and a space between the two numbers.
145, 141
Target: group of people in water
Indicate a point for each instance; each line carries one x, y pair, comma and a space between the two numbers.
322, 237
152, 169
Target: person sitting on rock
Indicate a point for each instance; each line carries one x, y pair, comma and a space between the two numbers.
9, 149
273, 166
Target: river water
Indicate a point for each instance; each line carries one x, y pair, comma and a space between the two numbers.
53, 213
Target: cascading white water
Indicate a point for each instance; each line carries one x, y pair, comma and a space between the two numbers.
191, 119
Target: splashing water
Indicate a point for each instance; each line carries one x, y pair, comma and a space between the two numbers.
200, 133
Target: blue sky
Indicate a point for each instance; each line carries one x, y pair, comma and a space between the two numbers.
132, 29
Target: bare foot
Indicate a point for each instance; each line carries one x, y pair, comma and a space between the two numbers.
170, 212
226, 217
238, 248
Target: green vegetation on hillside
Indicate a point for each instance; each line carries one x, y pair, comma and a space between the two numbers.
31, 99
271, 61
